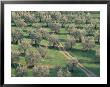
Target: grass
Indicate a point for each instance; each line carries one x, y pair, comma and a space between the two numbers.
44, 43
55, 58
87, 58
78, 73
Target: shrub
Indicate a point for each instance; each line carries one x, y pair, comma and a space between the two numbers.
42, 51
88, 43
70, 42
16, 35
32, 57
24, 45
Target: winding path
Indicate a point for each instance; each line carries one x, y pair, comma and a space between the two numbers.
68, 56
79, 65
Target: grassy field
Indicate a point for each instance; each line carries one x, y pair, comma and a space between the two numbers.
56, 57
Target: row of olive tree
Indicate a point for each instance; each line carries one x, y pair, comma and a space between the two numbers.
29, 18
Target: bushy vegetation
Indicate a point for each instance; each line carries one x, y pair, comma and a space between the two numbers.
41, 40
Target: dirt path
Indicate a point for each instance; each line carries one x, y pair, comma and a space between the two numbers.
79, 65
68, 56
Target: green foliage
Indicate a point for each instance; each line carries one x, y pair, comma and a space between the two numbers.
42, 51
21, 71
41, 71
20, 23
70, 42
88, 43
34, 33
53, 40
15, 55
55, 27
36, 25
44, 32
60, 73
32, 56
35, 37
97, 36
24, 45
16, 35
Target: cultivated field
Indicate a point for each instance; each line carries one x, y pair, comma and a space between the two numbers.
55, 44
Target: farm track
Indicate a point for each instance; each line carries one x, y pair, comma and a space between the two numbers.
68, 57
79, 65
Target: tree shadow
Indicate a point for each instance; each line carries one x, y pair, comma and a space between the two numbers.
51, 47
83, 53
62, 33
62, 40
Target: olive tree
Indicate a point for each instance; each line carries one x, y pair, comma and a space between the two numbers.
16, 35
89, 29
41, 71
97, 36
44, 32
32, 57
37, 25
70, 42
29, 17
88, 43
21, 71
20, 23
53, 40
35, 37
15, 56
67, 73
42, 51
14, 16
60, 73
72, 64
70, 27
24, 45
76, 33
55, 27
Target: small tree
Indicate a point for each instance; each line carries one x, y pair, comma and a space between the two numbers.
16, 36
72, 64
14, 56
67, 73
43, 32
36, 37
70, 27
97, 36
35, 71
24, 45
41, 71
88, 43
20, 23
21, 71
14, 16
70, 42
53, 40
29, 17
89, 29
76, 33
60, 73
42, 51
45, 71
55, 27
37, 25
32, 57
